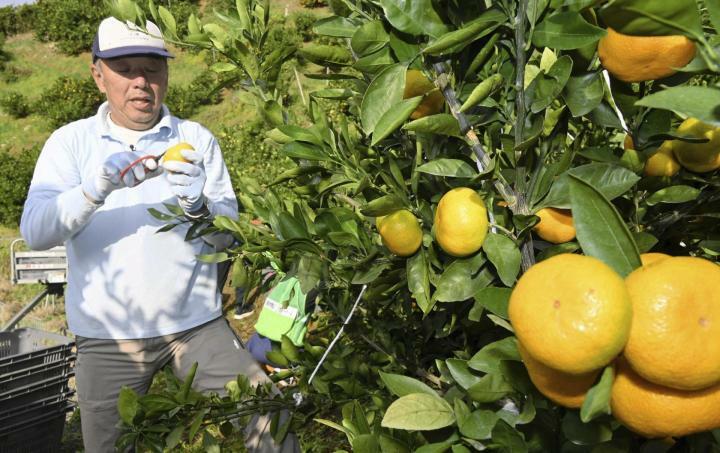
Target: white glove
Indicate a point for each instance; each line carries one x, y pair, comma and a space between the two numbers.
187, 180
107, 178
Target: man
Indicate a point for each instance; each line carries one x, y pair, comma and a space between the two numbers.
136, 300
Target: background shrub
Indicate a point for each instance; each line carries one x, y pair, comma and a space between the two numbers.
313, 3
16, 170
69, 99
304, 21
14, 20
203, 90
15, 105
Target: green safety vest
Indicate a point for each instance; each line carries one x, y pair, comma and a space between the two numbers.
284, 313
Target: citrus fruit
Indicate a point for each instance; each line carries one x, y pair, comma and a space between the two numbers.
400, 232
663, 162
461, 222
675, 334
174, 152
640, 58
654, 257
628, 142
652, 410
571, 312
565, 389
556, 225
416, 84
698, 157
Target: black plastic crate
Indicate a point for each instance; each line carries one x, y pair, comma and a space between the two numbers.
40, 435
12, 401
34, 374
25, 348
26, 415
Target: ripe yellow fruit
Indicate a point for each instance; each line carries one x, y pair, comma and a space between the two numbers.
461, 222
400, 232
565, 389
174, 152
571, 312
640, 58
654, 257
416, 84
652, 410
698, 157
663, 162
556, 225
675, 335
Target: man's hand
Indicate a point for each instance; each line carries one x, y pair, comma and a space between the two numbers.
187, 180
107, 177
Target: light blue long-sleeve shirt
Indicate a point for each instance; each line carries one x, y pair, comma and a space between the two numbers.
125, 280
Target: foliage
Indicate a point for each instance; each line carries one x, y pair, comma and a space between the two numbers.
69, 99
313, 3
71, 24
205, 89
16, 170
17, 19
304, 21
15, 105
430, 360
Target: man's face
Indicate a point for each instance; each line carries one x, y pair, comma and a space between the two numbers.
135, 87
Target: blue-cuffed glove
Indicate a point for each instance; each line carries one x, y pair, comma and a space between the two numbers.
187, 180
107, 177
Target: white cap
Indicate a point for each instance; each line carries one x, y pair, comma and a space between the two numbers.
117, 39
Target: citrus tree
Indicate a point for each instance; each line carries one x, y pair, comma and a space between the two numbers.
482, 187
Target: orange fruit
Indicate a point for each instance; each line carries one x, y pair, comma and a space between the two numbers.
698, 157
461, 222
675, 335
556, 225
565, 389
416, 84
174, 152
653, 257
400, 232
571, 312
652, 410
640, 58
662, 162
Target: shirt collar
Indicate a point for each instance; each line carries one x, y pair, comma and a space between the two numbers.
165, 125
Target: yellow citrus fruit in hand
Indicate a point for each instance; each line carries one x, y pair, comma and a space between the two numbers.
571, 312
565, 389
174, 152
652, 410
556, 225
675, 335
461, 222
698, 157
663, 162
416, 84
400, 232
653, 257
640, 58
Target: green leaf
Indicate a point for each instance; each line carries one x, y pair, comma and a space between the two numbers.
168, 21
394, 117
419, 412
400, 385
128, 405
326, 55
300, 150
495, 300
382, 206
336, 26
290, 228
631, 17
489, 388
415, 17
583, 93
332, 93
611, 180
479, 424
385, 91
418, 278
597, 399
489, 357
546, 87
601, 231
153, 403
289, 350
566, 31
673, 194
369, 38
505, 256
585, 433
457, 40
441, 124
462, 279
365, 443
454, 168
301, 134
692, 101
175, 437
460, 371
375, 62
481, 91
508, 438
713, 9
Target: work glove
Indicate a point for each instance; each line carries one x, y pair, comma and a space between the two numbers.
107, 177
187, 180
